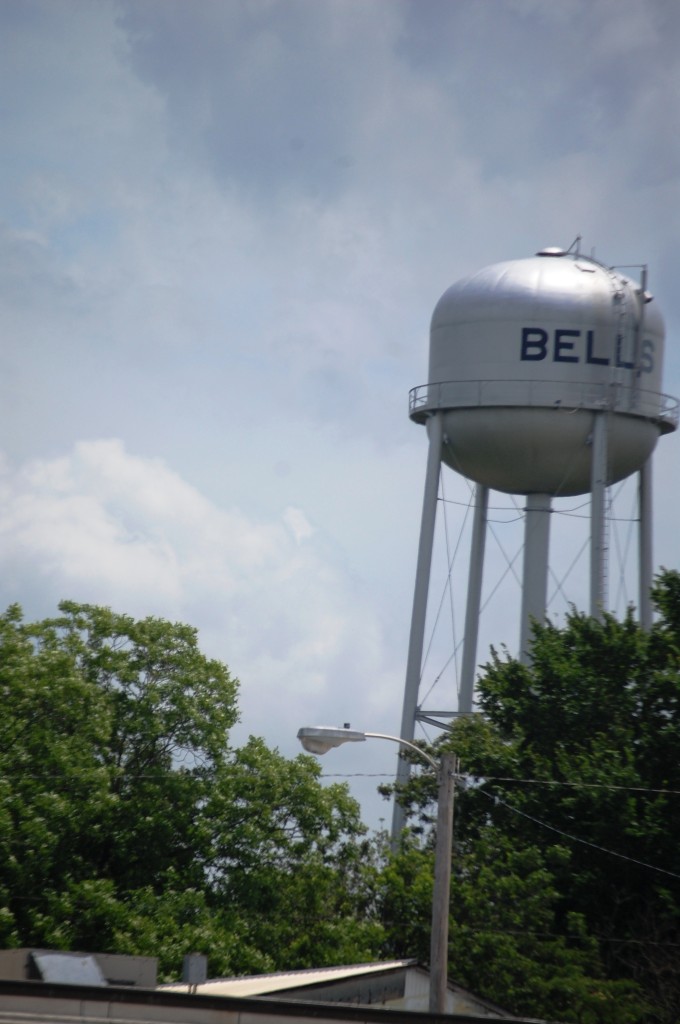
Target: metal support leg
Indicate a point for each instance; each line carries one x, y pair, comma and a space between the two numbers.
646, 569
474, 600
598, 535
535, 572
417, 635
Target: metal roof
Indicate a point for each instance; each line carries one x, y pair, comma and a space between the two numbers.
262, 984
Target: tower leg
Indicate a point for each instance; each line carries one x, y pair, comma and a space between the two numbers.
646, 568
417, 635
598, 537
474, 600
535, 571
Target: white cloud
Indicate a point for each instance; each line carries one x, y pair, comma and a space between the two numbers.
105, 526
298, 524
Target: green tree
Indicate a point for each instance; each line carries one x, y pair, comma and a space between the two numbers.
293, 854
504, 940
128, 824
595, 718
575, 763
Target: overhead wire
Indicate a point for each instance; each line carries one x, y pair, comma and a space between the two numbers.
571, 785
652, 791
577, 839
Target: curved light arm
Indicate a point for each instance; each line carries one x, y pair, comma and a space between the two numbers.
404, 743
319, 739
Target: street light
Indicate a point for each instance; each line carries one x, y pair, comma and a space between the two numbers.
319, 739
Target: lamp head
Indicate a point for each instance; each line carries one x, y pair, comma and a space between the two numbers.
318, 739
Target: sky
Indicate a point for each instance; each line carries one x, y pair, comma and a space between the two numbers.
224, 226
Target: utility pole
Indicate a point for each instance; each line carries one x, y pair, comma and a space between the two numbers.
439, 941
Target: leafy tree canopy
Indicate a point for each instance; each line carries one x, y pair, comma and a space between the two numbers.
128, 824
566, 891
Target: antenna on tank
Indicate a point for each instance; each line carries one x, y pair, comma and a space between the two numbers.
534, 390
575, 246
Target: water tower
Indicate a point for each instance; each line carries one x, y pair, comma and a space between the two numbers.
544, 381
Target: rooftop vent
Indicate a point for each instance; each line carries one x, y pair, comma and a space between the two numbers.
69, 968
65, 968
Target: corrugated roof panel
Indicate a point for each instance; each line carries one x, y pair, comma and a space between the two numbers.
263, 984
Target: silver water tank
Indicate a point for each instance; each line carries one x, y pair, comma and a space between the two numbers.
524, 353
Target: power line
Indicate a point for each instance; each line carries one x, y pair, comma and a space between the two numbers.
474, 779
572, 785
577, 839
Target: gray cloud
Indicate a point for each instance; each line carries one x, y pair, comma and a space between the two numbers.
224, 228
266, 92
536, 82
